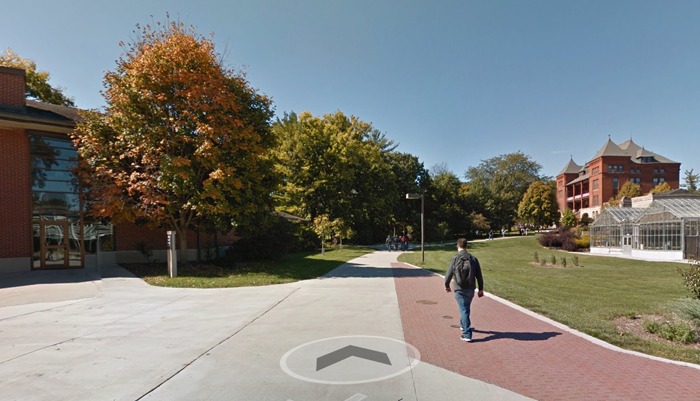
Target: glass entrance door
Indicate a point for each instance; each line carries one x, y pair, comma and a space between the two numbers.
59, 245
54, 242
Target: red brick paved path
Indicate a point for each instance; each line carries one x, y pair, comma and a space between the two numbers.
526, 355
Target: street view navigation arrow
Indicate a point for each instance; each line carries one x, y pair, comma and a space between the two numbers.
351, 350
330, 360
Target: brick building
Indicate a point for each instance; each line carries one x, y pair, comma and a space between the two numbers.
584, 189
43, 221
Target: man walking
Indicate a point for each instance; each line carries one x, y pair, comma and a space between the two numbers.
466, 272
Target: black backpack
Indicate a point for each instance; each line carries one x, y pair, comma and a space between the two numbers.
463, 271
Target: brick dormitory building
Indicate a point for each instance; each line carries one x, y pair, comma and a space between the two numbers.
584, 189
42, 218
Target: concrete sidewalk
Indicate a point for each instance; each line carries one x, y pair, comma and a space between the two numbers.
120, 339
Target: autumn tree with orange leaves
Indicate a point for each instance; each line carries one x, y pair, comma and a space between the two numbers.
182, 140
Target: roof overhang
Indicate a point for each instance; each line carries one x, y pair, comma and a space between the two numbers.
12, 120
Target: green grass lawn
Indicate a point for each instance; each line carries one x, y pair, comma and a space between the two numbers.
290, 268
586, 297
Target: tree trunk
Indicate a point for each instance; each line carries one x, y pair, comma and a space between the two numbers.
182, 251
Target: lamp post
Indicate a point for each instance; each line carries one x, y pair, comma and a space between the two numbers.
422, 236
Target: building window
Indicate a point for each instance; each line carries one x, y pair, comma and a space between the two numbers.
595, 185
610, 169
596, 170
655, 181
60, 237
595, 200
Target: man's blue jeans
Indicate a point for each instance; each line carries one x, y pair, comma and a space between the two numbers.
464, 301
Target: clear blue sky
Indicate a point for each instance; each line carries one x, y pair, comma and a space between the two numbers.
452, 82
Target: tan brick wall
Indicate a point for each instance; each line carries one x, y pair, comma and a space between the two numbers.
15, 195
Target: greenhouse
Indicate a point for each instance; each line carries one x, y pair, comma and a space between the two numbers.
666, 230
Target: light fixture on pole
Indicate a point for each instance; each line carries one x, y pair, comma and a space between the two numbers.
422, 236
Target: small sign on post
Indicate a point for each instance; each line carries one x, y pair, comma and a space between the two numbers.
172, 255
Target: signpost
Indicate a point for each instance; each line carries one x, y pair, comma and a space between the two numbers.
172, 255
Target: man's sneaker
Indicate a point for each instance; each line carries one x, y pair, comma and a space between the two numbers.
465, 339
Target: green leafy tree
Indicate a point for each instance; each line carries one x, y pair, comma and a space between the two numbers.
447, 203
691, 180
408, 175
342, 230
479, 223
339, 166
539, 204
499, 184
38, 86
568, 218
323, 227
182, 139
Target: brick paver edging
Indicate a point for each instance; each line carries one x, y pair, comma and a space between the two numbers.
529, 354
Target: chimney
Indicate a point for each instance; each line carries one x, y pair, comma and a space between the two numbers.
12, 88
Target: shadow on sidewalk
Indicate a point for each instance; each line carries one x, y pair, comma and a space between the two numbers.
519, 336
61, 276
360, 271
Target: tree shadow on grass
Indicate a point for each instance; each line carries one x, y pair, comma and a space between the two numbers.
514, 335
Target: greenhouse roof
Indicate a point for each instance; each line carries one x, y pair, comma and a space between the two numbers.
679, 207
616, 215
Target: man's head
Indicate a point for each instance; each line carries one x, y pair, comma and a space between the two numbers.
462, 243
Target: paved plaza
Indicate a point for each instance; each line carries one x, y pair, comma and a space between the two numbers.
372, 329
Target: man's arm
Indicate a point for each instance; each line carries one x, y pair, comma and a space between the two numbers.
479, 278
449, 274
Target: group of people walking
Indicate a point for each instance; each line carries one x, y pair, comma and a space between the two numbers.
397, 243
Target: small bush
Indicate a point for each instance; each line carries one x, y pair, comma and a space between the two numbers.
584, 242
691, 278
652, 327
553, 259
550, 239
575, 259
674, 331
563, 238
563, 262
537, 257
